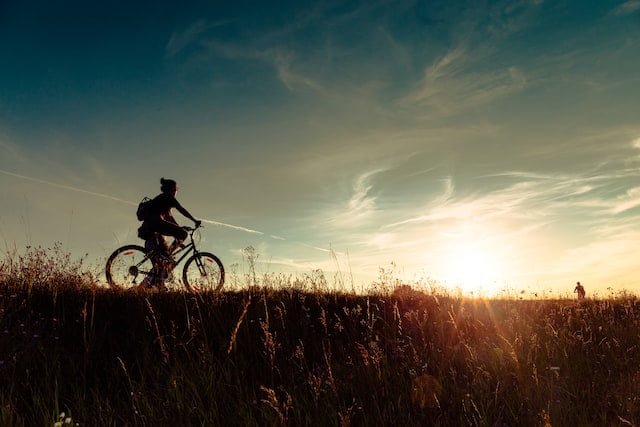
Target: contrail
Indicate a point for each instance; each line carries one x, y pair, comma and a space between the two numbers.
67, 187
317, 248
235, 227
127, 202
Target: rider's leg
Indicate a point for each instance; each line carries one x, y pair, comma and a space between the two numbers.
148, 281
167, 228
163, 261
177, 243
158, 274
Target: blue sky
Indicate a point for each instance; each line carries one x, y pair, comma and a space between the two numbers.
482, 144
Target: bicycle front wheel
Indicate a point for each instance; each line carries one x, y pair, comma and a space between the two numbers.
127, 267
203, 272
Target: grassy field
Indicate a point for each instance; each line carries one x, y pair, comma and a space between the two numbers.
72, 352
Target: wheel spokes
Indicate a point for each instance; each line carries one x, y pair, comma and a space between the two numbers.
127, 266
205, 275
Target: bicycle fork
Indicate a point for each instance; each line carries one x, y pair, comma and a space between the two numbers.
201, 268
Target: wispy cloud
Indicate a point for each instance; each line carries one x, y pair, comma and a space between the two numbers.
627, 7
451, 84
463, 77
180, 40
292, 79
281, 60
629, 200
535, 199
437, 209
361, 203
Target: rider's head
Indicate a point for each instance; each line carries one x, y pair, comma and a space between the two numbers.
168, 186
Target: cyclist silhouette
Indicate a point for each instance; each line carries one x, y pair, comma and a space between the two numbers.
579, 289
158, 223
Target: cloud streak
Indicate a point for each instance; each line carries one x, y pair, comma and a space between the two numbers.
627, 8
66, 187
180, 40
451, 85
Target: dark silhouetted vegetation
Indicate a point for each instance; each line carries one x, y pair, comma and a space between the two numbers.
75, 352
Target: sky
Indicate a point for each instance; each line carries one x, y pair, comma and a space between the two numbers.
483, 145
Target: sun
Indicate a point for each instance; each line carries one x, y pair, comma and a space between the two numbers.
474, 262
472, 270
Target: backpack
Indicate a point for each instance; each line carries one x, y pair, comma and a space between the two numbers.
144, 209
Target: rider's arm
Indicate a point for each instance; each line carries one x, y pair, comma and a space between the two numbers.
171, 219
186, 213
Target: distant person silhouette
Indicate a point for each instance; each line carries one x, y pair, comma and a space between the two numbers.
580, 291
158, 223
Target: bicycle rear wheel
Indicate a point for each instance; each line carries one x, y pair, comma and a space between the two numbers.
203, 272
127, 267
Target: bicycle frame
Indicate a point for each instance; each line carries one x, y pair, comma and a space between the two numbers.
185, 251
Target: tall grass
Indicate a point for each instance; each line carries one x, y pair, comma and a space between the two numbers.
295, 356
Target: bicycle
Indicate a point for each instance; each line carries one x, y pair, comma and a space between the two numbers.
202, 271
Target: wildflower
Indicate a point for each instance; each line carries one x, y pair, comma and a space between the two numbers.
425, 391
546, 419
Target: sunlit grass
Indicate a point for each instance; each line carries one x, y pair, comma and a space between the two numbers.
290, 350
